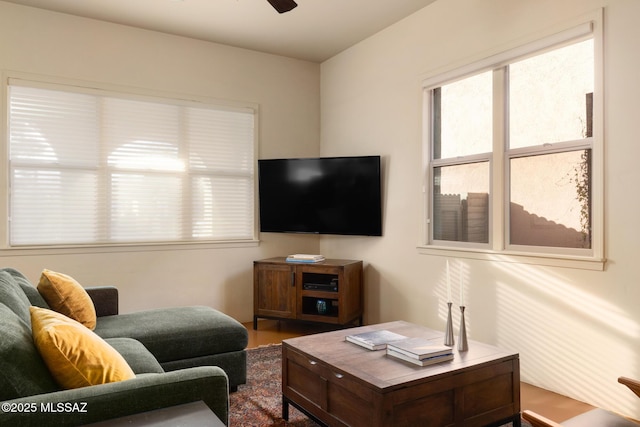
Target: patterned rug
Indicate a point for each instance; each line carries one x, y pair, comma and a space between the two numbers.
258, 403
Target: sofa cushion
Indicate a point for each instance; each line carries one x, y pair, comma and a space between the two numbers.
179, 332
66, 296
13, 297
22, 370
29, 290
137, 356
75, 355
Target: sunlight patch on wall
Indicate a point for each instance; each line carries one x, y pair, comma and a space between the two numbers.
556, 288
562, 333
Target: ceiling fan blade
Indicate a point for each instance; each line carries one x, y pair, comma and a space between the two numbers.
283, 6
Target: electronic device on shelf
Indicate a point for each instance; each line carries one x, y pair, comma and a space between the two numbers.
327, 287
320, 282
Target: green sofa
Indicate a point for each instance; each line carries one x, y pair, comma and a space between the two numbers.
179, 355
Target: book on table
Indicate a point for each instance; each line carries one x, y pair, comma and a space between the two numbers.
420, 362
308, 258
375, 340
419, 348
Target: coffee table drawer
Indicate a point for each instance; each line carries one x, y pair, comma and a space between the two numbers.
350, 403
336, 394
306, 377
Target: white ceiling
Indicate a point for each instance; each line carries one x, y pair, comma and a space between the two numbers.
315, 30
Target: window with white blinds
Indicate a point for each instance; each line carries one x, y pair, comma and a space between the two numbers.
90, 167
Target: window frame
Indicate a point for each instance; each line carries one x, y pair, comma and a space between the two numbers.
130, 93
498, 247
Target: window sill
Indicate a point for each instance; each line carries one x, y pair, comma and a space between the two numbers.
123, 247
566, 261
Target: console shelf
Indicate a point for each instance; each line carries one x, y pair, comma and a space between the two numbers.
327, 292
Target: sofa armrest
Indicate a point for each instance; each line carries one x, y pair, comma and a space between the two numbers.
105, 299
102, 402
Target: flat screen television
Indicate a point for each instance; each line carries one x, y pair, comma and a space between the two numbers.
327, 195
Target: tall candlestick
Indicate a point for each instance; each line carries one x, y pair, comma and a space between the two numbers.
448, 334
463, 345
448, 283
461, 287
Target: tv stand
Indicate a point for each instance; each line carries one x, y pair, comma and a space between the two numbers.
330, 291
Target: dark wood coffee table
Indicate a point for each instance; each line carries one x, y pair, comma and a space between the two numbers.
338, 383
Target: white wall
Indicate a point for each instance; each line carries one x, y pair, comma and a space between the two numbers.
576, 330
287, 91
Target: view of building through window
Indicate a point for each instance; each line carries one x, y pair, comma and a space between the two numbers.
463, 135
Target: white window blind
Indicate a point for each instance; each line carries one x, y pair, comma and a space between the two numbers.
88, 167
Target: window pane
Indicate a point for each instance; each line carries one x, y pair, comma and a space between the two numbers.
222, 207
550, 96
550, 200
220, 140
43, 202
52, 127
145, 207
461, 203
463, 117
142, 135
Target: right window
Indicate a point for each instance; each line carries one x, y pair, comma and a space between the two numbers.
550, 109
515, 153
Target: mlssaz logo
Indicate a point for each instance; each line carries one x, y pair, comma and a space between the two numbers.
64, 407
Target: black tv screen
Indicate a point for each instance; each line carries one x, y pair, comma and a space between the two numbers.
328, 195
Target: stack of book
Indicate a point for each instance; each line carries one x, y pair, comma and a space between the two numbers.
376, 340
305, 258
419, 351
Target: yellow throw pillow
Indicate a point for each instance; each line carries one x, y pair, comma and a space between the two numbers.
66, 296
75, 356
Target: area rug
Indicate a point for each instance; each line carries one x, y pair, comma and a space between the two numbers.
258, 403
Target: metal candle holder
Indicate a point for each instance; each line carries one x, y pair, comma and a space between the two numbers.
462, 339
448, 335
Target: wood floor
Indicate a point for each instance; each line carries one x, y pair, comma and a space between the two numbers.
551, 405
